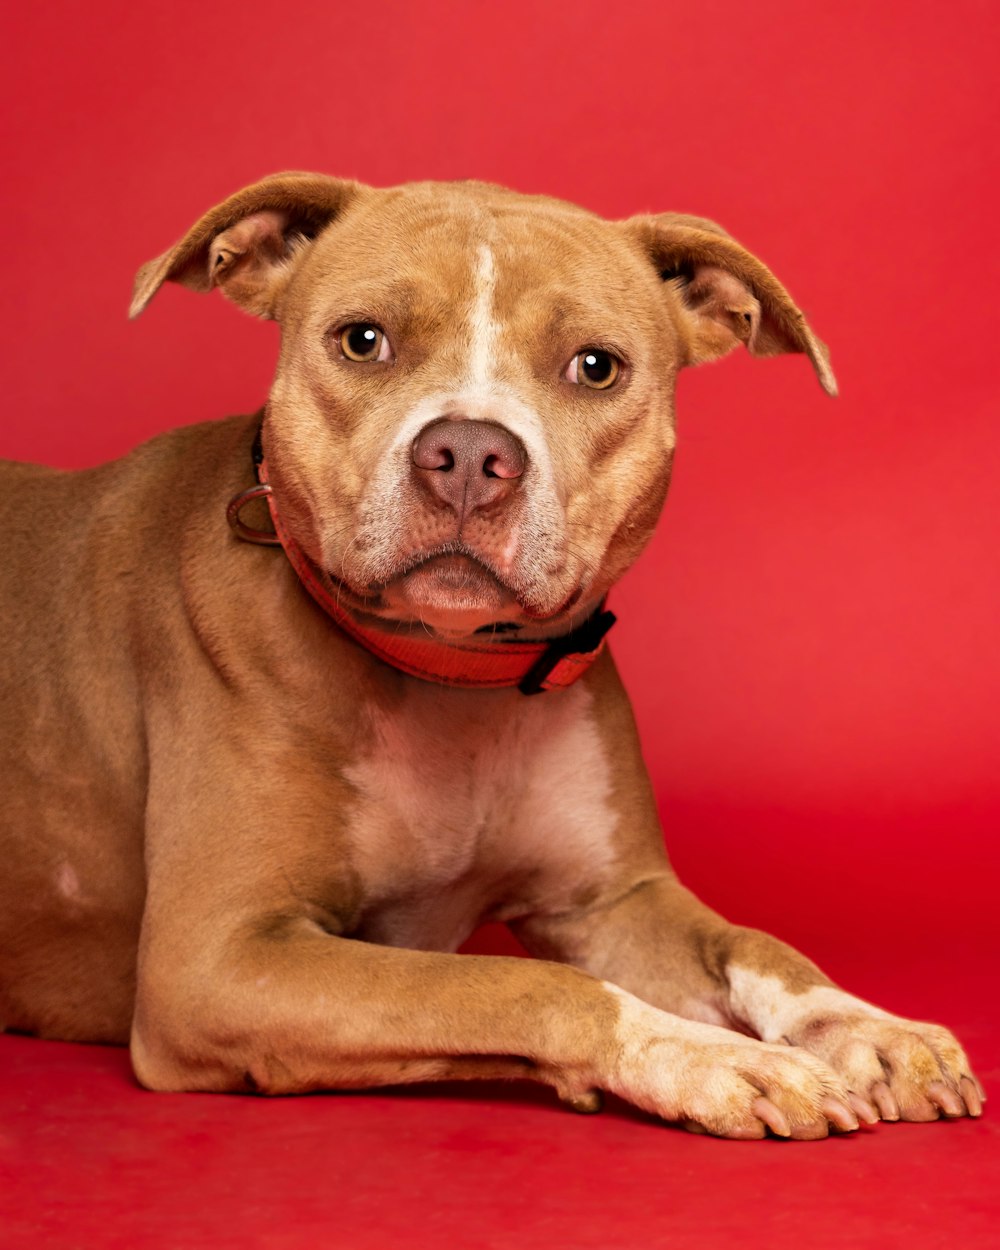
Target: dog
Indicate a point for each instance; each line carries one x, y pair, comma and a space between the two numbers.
295, 701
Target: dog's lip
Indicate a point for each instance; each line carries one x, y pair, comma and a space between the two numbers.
462, 556
452, 566
370, 594
456, 568
453, 577
570, 602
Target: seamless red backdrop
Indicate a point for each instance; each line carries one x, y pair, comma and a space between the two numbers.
811, 641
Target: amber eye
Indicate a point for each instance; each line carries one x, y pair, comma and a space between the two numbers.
594, 368
363, 341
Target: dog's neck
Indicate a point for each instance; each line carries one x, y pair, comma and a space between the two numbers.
475, 663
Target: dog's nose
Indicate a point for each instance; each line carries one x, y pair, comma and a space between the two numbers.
468, 464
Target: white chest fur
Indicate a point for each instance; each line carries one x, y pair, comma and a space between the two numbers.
475, 806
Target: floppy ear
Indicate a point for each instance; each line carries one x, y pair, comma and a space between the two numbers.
245, 244
726, 296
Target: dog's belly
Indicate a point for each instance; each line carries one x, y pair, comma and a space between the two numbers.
477, 808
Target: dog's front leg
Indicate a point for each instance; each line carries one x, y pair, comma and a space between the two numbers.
663, 945
281, 1006
245, 981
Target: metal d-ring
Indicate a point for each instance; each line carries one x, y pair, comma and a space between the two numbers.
263, 538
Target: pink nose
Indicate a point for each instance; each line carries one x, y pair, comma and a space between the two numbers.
468, 464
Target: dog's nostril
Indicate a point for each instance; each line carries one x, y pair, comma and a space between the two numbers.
507, 463
433, 454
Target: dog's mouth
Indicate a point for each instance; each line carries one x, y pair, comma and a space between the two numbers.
453, 592
452, 577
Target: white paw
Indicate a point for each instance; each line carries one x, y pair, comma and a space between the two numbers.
906, 1070
893, 1068
720, 1082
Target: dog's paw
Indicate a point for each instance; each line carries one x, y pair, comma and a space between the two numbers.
714, 1081
905, 1070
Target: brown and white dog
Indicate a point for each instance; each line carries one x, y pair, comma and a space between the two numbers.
248, 840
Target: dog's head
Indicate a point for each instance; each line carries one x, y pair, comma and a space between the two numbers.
471, 424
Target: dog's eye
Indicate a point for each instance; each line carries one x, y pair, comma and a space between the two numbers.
594, 368
364, 341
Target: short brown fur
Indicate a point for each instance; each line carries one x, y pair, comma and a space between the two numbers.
238, 842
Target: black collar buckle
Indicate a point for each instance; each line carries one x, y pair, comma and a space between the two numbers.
583, 640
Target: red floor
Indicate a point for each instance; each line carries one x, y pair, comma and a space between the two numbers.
88, 1160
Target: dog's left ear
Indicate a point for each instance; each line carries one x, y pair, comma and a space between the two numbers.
725, 296
245, 245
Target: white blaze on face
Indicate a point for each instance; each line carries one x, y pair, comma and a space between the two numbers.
482, 354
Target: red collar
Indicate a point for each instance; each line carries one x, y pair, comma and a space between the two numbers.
533, 667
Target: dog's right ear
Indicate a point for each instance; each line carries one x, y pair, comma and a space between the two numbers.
724, 295
245, 245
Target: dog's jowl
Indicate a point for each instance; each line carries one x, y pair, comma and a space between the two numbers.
293, 702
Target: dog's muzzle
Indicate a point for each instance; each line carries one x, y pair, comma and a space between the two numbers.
477, 663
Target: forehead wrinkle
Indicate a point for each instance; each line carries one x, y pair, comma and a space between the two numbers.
370, 294
402, 304
554, 229
388, 239
543, 319
561, 312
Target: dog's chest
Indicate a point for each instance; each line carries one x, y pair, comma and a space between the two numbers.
475, 807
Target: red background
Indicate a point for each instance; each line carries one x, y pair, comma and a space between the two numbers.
810, 641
